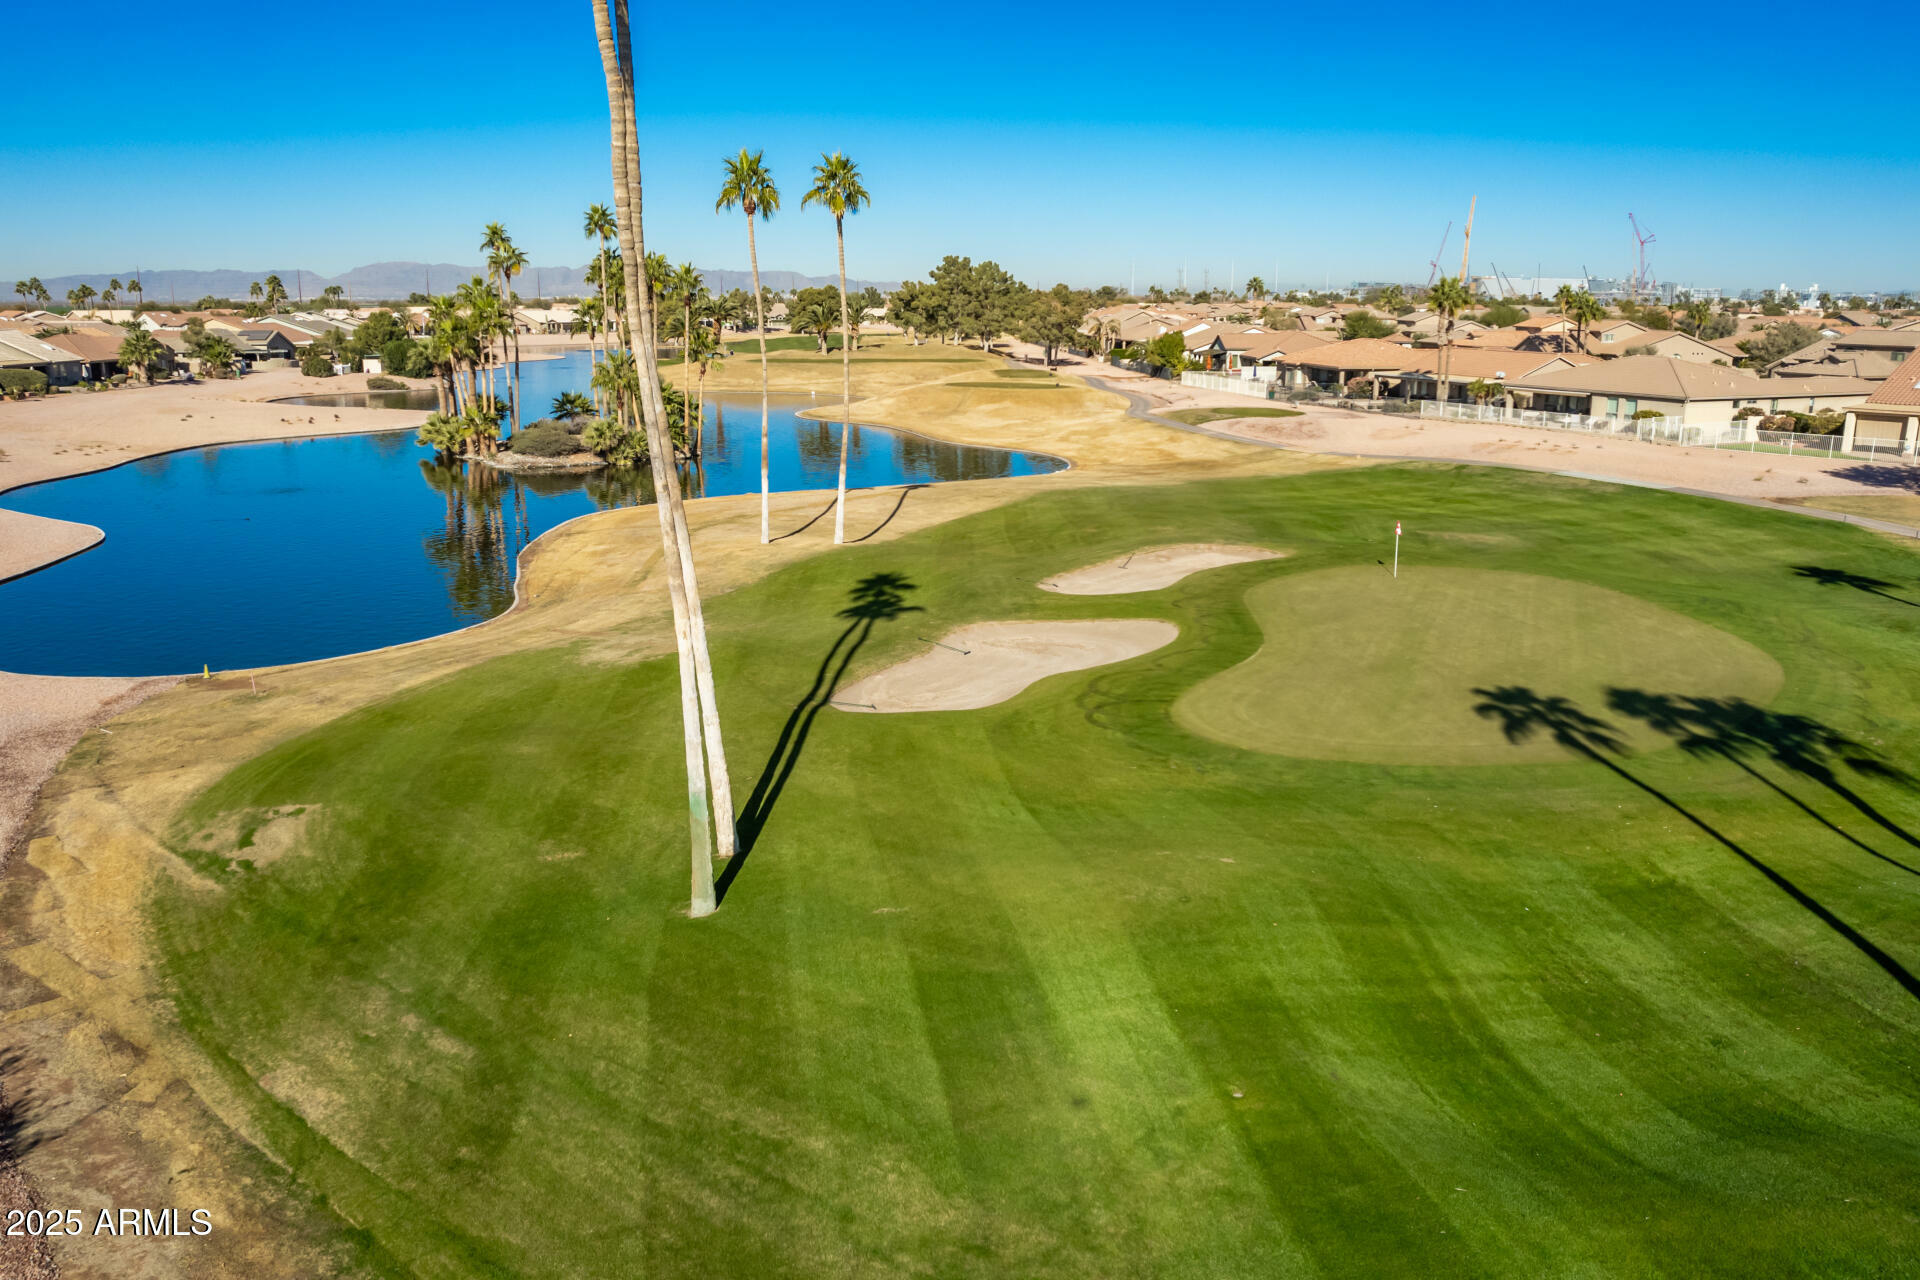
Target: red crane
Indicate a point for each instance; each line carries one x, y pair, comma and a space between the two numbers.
1641, 240
1433, 267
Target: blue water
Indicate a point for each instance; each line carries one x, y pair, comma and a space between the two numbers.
257, 554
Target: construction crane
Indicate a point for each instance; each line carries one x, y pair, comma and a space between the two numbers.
1466, 244
1506, 286
1641, 240
1433, 267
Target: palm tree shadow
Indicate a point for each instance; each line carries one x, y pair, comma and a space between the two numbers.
1733, 729
877, 598
1842, 578
793, 533
1522, 714
904, 491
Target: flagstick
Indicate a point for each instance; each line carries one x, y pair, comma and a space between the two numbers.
1396, 548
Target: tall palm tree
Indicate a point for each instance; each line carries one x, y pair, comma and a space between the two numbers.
138, 291
699, 710
39, 290
1585, 310
1448, 298
142, 351
23, 289
111, 293
684, 286
749, 187
837, 187
600, 225
254, 291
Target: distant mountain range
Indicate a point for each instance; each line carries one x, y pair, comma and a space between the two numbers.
393, 281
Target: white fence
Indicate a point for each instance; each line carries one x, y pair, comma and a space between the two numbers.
1741, 434
1259, 389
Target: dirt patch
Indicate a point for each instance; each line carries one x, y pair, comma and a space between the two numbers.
250, 837
990, 662
1153, 568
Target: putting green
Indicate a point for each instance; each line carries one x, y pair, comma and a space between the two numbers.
1360, 666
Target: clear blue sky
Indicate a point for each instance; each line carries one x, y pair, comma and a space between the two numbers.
1305, 142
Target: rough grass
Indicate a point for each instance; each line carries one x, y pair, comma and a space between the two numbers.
1200, 417
1056, 987
1903, 508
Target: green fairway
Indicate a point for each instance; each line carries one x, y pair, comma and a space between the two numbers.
1060, 988
1403, 655
1200, 417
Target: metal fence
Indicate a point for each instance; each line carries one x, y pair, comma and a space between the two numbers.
1739, 434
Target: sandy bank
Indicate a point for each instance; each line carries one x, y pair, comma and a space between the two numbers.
989, 662
1152, 568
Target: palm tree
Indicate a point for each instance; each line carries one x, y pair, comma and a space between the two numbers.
749, 186
837, 187
276, 293
1585, 310
699, 709
23, 290
1448, 298
1256, 288
600, 226
217, 356
39, 290
141, 350
683, 285
1699, 311
134, 287
254, 291
571, 406
110, 294
332, 294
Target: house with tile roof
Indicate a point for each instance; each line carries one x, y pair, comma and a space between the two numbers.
1862, 353
21, 350
1890, 416
1681, 390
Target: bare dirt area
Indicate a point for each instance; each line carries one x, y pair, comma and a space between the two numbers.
1152, 568
32, 542
989, 662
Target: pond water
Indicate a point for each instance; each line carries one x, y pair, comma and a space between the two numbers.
257, 554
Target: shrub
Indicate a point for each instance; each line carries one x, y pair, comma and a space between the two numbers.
117, 380
1648, 413
545, 439
23, 382
316, 363
380, 382
1749, 411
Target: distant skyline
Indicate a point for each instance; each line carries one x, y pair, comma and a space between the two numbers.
1058, 147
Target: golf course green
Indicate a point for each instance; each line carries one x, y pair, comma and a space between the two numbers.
1063, 987
1396, 652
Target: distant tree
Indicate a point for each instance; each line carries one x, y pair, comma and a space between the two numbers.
837, 189
110, 294
1502, 315
332, 294
1583, 311
138, 291
1256, 288
275, 293
1364, 324
815, 311
1483, 391
1777, 342
907, 308
217, 357
1053, 319
1168, 351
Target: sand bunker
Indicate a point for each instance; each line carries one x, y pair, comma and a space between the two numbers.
1152, 568
989, 662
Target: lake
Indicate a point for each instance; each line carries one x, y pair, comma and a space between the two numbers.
252, 555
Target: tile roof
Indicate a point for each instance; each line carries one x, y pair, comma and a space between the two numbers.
1656, 377
1356, 353
1468, 363
89, 346
1902, 387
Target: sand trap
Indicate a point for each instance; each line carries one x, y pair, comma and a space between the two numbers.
1152, 568
1001, 659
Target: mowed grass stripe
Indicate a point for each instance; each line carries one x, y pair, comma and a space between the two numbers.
977, 1002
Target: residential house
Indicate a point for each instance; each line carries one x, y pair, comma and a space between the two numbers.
1430, 327
98, 350
1680, 389
1420, 375
264, 348
1675, 345
1890, 417
1861, 319
21, 350
1863, 353
1331, 365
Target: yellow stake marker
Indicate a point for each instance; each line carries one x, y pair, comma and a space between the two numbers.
206, 671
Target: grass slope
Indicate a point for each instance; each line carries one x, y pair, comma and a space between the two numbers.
1057, 988
1200, 417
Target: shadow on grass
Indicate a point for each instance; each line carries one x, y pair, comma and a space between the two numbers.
1733, 729
18, 1109
791, 533
877, 598
1841, 578
904, 491
1523, 714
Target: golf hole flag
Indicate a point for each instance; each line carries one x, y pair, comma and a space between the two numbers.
1396, 548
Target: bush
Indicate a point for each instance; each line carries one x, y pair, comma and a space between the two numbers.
545, 439
1749, 411
380, 382
316, 363
117, 380
396, 355
1648, 413
23, 382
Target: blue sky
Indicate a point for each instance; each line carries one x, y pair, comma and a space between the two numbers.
1308, 143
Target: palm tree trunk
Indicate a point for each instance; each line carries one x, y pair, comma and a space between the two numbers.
846, 385
686, 381
616, 62
760, 321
